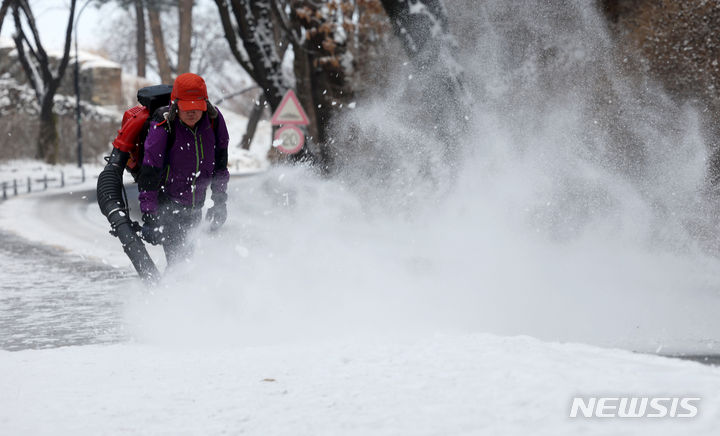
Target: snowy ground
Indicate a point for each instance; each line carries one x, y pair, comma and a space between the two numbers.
87, 350
442, 385
318, 311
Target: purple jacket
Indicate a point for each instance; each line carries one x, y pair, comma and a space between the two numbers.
190, 166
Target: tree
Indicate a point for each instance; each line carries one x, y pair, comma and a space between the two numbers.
210, 56
38, 70
324, 36
156, 30
140, 37
166, 69
184, 35
676, 43
259, 51
259, 54
138, 6
322, 65
422, 27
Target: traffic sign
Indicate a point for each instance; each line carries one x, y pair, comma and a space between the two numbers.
290, 111
289, 139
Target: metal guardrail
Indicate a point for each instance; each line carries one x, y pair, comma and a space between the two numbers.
20, 186
32, 184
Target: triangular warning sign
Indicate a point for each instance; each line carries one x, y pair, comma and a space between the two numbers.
290, 111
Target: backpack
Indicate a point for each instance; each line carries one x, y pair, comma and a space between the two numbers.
136, 123
154, 102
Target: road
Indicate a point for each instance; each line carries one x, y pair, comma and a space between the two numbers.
51, 296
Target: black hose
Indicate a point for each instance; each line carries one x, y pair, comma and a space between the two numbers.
114, 207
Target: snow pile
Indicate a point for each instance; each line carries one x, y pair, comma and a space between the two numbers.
91, 60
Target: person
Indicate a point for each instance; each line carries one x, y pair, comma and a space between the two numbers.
185, 152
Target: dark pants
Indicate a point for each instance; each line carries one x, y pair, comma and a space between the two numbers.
177, 221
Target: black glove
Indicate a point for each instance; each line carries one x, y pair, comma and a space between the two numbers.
217, 214
151, 229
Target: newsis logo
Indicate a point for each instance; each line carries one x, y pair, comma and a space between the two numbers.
634, 407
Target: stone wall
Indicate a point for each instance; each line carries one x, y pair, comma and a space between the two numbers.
100, 80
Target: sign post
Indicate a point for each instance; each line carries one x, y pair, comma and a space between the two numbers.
289, 139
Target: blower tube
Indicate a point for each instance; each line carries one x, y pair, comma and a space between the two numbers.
112, 205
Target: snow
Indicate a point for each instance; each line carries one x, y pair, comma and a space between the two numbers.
381, 302
247, 161
90, 60
415, 7
21, 169
83, 229
249, 352
288, 66
445, 384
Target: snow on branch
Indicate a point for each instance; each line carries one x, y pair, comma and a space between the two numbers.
254, 19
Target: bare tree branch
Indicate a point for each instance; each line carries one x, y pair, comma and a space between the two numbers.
255, 21
422, 26
20, 40
3, 10
242, 58
32, 51
41, 54
66, 50
285, 24
39, 74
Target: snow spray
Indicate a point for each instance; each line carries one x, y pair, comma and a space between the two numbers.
570, 209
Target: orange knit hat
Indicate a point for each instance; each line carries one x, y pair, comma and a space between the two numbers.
190, 92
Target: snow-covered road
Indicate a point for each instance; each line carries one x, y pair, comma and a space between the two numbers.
49, 298
67, 219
